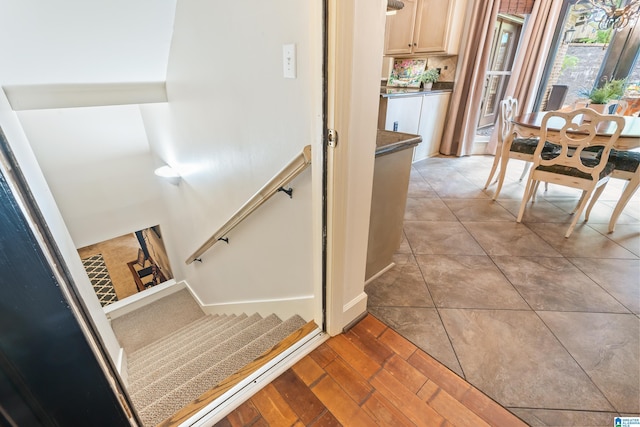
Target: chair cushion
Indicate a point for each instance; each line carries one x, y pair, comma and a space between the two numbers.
567, 170
625, 160
528, 146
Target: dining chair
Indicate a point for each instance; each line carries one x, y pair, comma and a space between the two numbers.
573, 132
626, 166
511, 146
617, 107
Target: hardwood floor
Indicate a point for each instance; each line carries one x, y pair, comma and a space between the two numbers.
369, 376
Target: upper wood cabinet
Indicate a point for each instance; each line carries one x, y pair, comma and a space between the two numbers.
423, 26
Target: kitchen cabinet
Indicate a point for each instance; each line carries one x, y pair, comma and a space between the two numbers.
403, 114
422, 113
425, 26
431, 125
391, 171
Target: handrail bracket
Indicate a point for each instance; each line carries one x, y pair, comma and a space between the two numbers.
289, 191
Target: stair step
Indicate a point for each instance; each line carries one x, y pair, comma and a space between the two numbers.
156, 320
174, 399
176, 348
173, 379
148, 349
175, 360
184, 344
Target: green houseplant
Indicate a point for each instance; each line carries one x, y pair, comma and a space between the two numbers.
429, 77
602, 95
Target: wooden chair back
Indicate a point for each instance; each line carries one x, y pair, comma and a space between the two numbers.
575, 131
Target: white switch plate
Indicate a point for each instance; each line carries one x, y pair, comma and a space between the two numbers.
289, 60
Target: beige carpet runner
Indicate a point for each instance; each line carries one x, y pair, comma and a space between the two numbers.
175, 352
173, 371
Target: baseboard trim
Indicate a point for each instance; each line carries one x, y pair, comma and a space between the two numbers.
122, 366
380, 273
283, 308
250, 385
134, 302
353, 310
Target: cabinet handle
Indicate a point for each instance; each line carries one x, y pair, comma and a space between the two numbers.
415, 44
409, 45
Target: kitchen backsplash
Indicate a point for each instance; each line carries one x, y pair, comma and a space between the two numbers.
447, 65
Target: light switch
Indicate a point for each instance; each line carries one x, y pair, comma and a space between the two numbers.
289, 60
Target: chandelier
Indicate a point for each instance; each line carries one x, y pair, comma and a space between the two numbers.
616, 15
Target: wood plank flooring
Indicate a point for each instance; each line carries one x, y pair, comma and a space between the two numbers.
369, 376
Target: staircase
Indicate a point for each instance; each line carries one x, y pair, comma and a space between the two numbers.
175, 370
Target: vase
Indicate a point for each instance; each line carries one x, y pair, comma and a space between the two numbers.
600, 108
427, 86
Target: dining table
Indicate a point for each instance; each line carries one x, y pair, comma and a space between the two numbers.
528, 126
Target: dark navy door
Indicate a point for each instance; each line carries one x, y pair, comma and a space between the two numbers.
48, 374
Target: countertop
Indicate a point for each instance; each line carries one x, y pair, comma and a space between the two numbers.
392, 92
388, 142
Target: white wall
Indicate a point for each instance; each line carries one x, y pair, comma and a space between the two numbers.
43, 197
356, 48
99, 167
231, 123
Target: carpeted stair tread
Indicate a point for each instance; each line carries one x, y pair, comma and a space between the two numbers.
191, 338
159, 344
180, 357
173, 379
143, 366
176, 397
156, 320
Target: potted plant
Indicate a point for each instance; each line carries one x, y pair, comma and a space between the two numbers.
429, 77
599, 97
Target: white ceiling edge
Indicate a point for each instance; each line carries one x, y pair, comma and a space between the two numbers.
52, 96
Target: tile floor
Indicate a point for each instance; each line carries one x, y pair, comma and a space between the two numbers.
548, 327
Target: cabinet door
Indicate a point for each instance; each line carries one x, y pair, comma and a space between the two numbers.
398, 37
431, 127
405, 111
433, 18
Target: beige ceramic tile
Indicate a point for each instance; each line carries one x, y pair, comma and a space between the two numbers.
457, 281
420, 188
403, 285
478, 210
626, 235
512, 356
607, 347
437, 237
583, 242
619, 277
543, 211
509, 238
427, 210
548, 417
556, 284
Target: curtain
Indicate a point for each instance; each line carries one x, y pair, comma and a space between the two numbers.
464, 109
531, 58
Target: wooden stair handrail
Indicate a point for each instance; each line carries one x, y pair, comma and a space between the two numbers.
290, 171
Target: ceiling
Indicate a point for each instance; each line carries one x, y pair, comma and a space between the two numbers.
78, 42
84, 41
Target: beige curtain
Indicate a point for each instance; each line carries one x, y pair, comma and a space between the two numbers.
464, 109
531, 58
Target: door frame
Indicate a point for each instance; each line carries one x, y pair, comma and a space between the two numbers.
485, 120
44, 247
